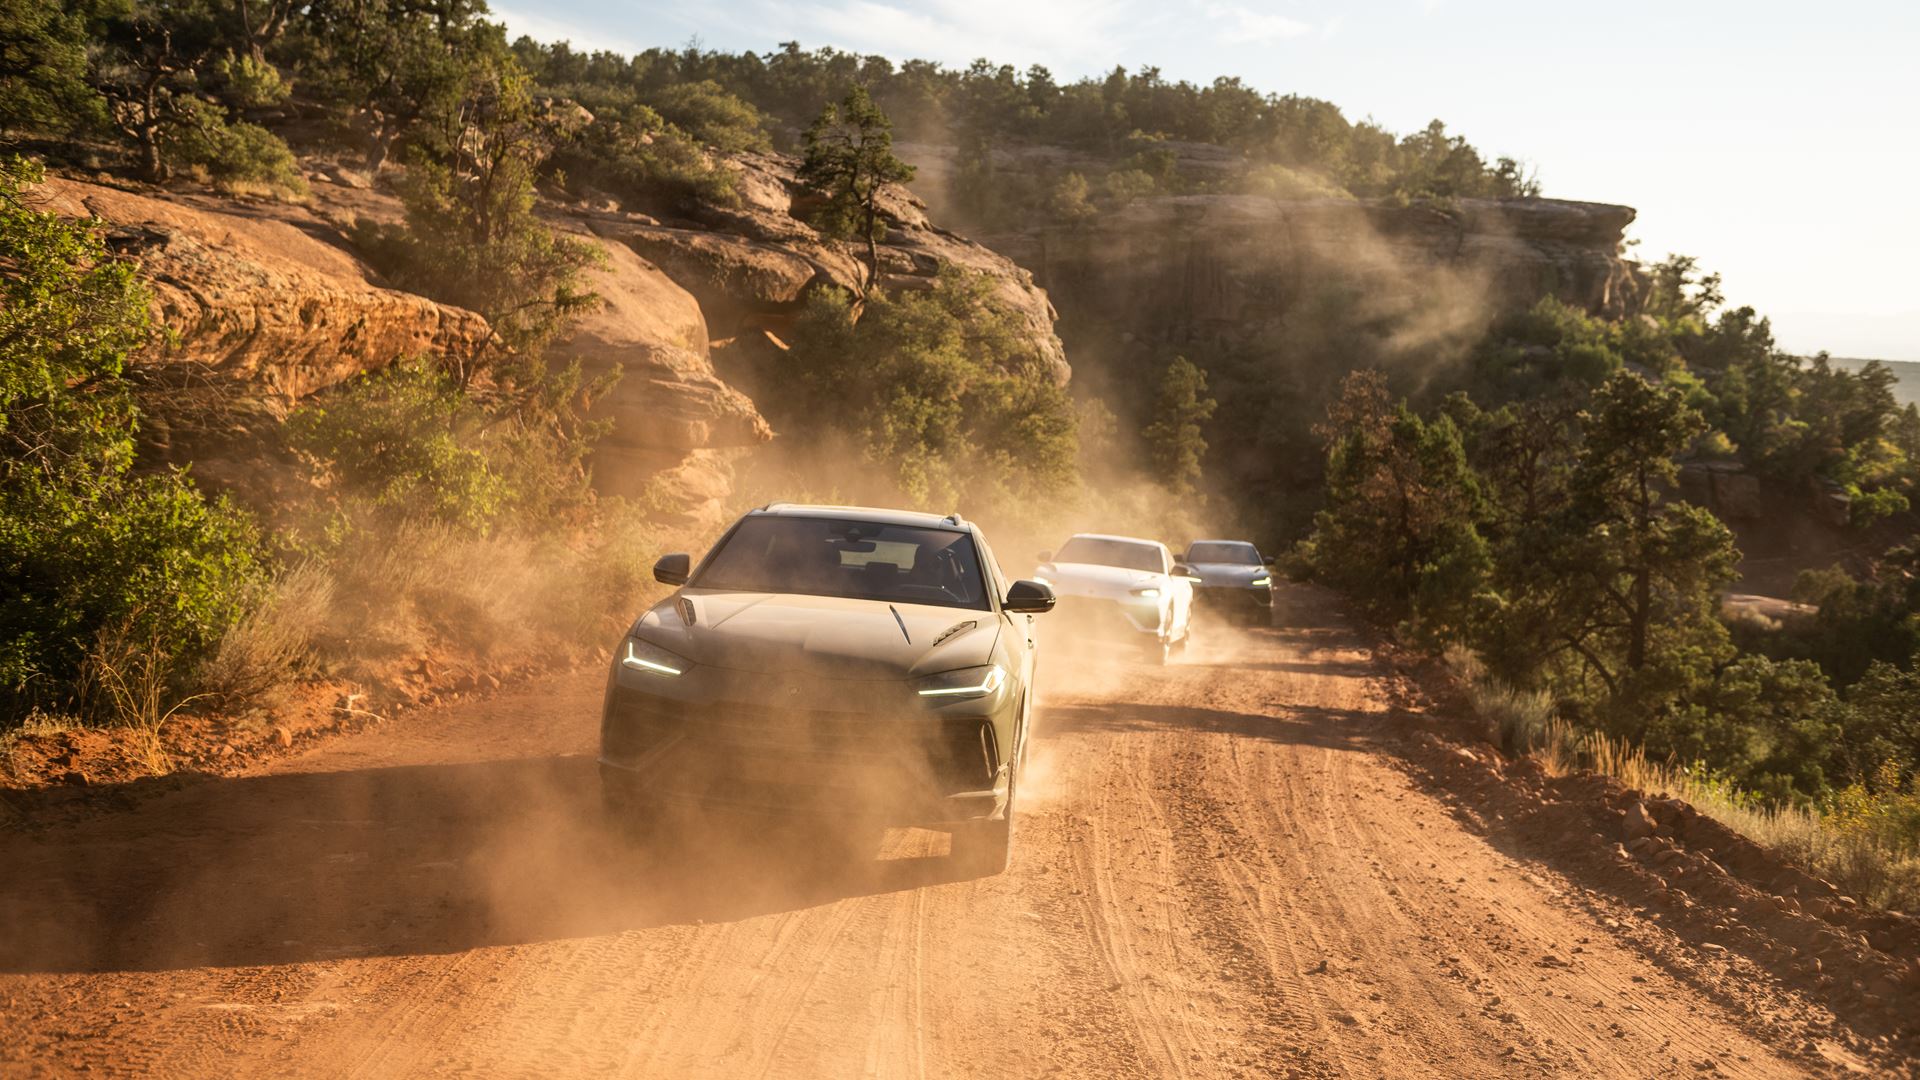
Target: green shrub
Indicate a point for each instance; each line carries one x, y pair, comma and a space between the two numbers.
403, 438
143, 556
236, 156
90, 550
942, 392
709, 113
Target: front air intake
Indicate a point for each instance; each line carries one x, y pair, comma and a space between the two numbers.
956, 628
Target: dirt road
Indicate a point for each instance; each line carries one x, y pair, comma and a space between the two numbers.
1220, 870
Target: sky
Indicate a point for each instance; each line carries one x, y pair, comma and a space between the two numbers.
1778, 143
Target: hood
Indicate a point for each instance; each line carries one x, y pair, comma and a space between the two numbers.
828, 636
1090, 579
1227, 574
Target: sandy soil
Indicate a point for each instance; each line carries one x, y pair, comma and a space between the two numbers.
1221, 868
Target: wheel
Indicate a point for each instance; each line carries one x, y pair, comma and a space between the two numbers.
981, 847
632, 817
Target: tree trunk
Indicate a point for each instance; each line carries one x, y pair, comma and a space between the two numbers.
873, 250
152, 169
1638, 618
1642, 581
377, 146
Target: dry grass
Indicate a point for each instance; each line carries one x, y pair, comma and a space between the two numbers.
128, 680
37, 724
1863, 843
265, 649
431, 590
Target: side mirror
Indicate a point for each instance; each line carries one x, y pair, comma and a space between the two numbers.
1182, 570
1046, 556
1032, 597
673, 569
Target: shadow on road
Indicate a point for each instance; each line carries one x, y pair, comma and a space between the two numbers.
401, 861
1338, 729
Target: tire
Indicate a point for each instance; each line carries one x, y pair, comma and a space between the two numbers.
1160, 652
633, 818
981, 847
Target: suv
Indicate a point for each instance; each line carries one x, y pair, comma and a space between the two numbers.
1122, 588
1234, 579
866, 662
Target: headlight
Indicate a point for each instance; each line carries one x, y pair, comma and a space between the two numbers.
1147, 594
1260, 582
966, 682
649, 657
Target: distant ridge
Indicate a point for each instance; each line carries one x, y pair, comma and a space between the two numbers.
1907, 390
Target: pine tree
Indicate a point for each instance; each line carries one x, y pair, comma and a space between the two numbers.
1174, 440
849, 158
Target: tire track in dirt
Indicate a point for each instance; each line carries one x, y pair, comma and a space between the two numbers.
1221, 869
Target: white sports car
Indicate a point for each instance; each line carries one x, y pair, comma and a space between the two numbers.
1121, 588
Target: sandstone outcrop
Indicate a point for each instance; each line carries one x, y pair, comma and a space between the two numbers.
266, 304
675, 423
1220, 273
751, 265
261, 296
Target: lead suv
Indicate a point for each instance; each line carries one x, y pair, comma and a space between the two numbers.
859, 661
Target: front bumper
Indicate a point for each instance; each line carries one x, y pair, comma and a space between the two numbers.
1255, 601
1102, 619
866, 750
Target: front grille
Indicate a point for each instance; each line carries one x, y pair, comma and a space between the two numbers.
1100, 617
702, 742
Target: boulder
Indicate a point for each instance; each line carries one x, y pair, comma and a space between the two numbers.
264, 297
1638, 823
670, 411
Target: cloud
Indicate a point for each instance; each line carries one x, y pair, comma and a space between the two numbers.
1246, 26
1071, 35
549, 28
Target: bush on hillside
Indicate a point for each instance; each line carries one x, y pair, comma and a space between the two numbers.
90, 549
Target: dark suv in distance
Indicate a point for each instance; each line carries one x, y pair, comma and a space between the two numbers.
1235, 580
872, 664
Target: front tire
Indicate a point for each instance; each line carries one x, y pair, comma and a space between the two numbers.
628, 815
982, 847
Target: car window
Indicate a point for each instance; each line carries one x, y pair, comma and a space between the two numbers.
1215, 551
862, 560
1126, 554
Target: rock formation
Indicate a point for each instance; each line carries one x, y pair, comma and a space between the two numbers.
267, 303
1220, 273
750, 265
261, 296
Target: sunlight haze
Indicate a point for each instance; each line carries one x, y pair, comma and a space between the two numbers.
1771, 141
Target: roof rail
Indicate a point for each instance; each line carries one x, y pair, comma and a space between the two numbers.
956, 519
769, 506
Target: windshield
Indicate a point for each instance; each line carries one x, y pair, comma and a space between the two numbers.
1126, 554
862, 560
1224, 551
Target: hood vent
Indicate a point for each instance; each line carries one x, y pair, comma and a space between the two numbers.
956, 628
686, 610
